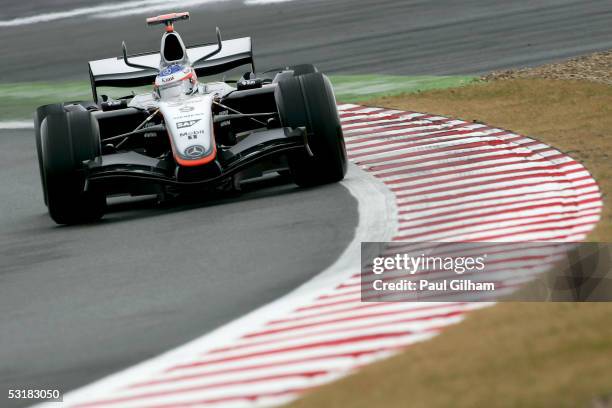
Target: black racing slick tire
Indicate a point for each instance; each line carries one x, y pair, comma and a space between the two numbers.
39, 115
308, 100
68, 139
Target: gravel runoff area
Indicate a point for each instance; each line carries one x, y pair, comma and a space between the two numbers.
596, 67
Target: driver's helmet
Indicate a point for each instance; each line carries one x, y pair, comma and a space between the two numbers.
175, 80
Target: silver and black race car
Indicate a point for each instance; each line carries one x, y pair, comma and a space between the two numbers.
185, 135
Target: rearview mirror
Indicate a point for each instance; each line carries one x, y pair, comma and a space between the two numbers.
130, 64
219, 47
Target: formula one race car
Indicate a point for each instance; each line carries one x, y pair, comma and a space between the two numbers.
185, 135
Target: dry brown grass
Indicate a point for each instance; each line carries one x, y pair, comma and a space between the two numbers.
514, 354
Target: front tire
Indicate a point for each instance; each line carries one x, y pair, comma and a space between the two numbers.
308, 100
67, 140
39, 115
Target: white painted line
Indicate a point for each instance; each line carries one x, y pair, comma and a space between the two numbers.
156, 6
119, 9
16, 124
258, 2
82, 11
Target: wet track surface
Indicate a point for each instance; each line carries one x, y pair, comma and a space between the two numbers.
82, 302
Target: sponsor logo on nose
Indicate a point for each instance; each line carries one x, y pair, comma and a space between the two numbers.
194, 151
186, 124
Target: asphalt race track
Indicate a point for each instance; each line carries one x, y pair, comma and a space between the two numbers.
387, 36
79, 303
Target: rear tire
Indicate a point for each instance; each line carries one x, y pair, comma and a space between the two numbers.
303, 69
67, 140
308, 100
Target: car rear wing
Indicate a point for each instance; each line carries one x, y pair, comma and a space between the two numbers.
114, 72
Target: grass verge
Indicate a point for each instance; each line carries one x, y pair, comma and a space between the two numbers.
358, 88
513, 354
18, 100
